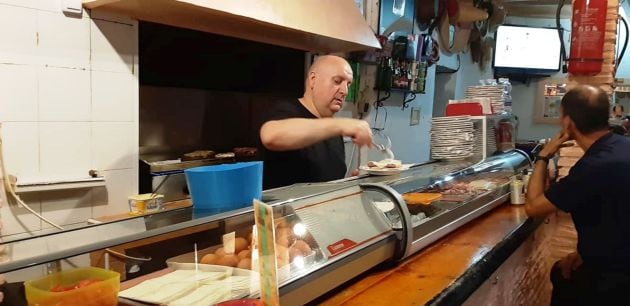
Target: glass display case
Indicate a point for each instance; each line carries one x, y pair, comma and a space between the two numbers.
325, 234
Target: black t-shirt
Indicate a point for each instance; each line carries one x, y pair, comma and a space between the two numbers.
321, 162
596, 194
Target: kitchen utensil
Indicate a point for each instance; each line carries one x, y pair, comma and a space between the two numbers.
383, 143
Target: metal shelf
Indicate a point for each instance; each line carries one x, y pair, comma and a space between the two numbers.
48, 185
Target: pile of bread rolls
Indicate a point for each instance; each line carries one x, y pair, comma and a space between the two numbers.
288, 247
242, 257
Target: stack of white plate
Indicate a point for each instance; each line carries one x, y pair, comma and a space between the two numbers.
491, 143
452, 137
496, 94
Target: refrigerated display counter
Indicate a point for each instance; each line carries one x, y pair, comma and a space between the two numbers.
327, 233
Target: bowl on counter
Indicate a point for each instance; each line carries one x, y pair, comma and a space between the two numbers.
225, 187
83, 286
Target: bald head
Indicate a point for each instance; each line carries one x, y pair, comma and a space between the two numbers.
325, 61
327, 84
588, 107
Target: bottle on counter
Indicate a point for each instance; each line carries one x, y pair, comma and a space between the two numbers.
516, 191
526, 177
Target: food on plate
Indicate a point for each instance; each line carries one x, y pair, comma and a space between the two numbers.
197, 155
425, 198
392, 163
245, 152
482, 185
385, 163
228, 155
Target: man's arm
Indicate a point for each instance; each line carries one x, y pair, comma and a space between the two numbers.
298, 133
537, 203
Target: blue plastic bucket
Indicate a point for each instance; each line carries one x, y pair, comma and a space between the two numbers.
225, 187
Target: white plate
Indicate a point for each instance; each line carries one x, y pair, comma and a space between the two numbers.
385, 171
451, 118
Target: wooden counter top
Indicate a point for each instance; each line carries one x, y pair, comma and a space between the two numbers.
446, 272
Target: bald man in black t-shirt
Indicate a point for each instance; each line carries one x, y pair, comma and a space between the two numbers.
301, 140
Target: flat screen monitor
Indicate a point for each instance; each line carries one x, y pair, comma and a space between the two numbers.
526, 49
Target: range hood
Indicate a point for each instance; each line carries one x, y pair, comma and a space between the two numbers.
309, 25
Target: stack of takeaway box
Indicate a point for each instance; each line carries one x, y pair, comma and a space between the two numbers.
568, 157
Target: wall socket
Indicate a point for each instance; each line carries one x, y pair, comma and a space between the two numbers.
415, 116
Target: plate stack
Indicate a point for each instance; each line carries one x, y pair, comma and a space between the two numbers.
496, 94
452, 137
486, 133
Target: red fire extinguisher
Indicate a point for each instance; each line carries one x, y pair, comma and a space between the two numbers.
587, 36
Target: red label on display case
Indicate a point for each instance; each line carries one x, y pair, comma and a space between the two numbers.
340, 246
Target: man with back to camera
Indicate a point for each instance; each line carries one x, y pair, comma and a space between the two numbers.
594, 193
301, 140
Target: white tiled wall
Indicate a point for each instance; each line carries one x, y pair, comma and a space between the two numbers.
68, 104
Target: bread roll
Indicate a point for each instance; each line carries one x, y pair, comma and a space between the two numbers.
228, 260
245, 263
240, 244
210, 259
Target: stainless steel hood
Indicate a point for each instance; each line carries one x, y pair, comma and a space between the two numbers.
309, 25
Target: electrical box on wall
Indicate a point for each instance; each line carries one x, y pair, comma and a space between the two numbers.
74, 7
447, 63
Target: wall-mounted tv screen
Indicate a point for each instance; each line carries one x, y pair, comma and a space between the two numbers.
526, 50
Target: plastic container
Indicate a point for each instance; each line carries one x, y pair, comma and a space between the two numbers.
460, 109
145, 203
225, 187
104, 292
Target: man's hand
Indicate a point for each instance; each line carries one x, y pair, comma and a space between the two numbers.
552, 147
569, 264
358, 130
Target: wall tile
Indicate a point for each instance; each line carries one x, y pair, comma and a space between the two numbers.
63, 41
66, 206
43, 5
113, 46
64, 94
65, 149
21, 148
114, 145
18, 93
120, 185
18, 29
114, 96
16, 220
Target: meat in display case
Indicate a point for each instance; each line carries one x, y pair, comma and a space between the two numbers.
325, 233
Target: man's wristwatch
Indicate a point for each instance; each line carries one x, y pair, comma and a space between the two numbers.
544, 158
